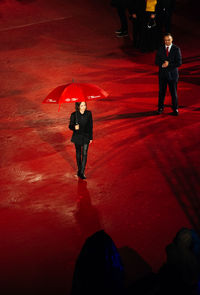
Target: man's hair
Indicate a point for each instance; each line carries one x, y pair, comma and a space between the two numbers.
167, 35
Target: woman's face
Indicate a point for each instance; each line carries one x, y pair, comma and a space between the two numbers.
82, 107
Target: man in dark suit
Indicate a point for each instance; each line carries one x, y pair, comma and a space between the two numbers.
168, 58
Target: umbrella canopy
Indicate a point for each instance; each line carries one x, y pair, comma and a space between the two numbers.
75, 92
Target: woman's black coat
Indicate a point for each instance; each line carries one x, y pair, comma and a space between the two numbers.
85, 132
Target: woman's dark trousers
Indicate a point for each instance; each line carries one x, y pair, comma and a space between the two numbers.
81, 157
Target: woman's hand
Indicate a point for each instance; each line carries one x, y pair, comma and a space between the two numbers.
77, 127
90, 140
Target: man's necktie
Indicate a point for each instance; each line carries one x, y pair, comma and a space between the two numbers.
167, 50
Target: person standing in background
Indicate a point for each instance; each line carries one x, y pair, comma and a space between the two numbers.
136, 10
168, 58
121, 6
149, 28
164, 11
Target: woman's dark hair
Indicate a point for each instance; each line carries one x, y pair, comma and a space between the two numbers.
77, 105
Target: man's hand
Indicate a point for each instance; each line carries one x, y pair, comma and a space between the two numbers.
134, 15
77, 127
165, 64
153, 15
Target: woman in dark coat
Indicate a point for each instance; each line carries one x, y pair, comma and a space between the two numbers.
81, 124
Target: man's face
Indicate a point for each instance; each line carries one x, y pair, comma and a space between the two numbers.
168, 40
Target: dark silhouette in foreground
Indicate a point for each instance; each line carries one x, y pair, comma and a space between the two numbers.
98, 268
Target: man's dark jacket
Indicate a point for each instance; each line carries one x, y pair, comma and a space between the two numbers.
175, 61
133, 6
137, 7
165, 6
120, 3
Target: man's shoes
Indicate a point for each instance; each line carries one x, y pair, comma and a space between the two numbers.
122, 34
175, 112
82, 176
160, 110
118, 31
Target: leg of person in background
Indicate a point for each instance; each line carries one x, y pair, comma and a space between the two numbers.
159, 22
163, 20
123, 31
78, 158
144, 32
167, 22
141, 32
151, 34
173, 91
84, 160
136, 32
162, 92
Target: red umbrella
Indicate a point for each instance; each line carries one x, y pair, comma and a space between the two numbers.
75, 92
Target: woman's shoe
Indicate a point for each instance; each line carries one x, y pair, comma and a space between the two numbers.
82, 176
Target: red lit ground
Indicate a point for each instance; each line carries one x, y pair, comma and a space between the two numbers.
143, 169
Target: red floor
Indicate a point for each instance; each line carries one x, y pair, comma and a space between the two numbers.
143, 170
